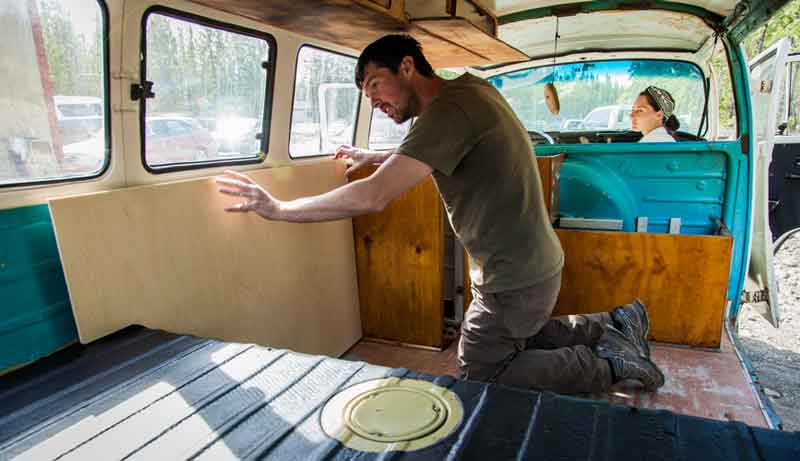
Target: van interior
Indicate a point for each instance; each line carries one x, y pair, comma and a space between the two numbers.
142, 321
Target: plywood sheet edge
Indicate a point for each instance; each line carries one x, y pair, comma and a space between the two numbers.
166, 256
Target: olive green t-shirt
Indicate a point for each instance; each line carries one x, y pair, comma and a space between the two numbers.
486, 173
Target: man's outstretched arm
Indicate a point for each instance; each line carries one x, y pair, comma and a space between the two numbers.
395, 176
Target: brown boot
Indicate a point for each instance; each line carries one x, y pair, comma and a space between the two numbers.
626, 362
632, 320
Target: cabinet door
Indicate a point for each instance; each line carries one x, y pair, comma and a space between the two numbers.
399, 259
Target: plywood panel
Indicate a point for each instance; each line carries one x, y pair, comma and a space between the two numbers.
343, 22
550, 171
683, 280
167, 256
469, 36
399, 254
452, 42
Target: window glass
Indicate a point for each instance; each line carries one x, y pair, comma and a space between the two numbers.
599, 95
325, 103
727, 107
792, 117
210, 89
762, 72
53, 93
384, 133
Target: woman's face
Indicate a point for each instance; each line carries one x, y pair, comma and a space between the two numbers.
643, 117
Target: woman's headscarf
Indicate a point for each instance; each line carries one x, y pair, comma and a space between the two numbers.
663, 99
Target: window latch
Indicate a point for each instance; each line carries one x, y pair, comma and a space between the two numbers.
142, 90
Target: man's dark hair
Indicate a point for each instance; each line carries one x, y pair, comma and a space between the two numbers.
389, 52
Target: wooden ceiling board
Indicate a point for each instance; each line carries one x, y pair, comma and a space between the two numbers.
446, 42
467, 35
342, 22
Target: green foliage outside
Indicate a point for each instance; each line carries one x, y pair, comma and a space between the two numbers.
785, 23
75, 59
201, 70
217, 69
585, 88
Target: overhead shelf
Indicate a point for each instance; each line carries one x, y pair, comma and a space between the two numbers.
452, 34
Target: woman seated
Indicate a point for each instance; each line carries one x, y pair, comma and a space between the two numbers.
653, 115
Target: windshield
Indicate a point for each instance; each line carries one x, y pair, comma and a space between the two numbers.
598, 95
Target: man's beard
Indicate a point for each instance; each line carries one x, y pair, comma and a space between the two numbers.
411, 109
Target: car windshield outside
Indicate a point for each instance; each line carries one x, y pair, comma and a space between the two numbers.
597, 96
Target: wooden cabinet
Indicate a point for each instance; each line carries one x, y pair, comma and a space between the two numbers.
401, 264
550, 171
399, 261
402, 272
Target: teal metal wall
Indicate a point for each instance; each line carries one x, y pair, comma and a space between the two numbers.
35, 313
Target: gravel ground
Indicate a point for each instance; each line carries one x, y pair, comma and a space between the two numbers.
775, 353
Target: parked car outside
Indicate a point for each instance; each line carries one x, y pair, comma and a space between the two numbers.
572, 124
84, 157
79, 117
616, 117
237, 135
169, 139
177, 139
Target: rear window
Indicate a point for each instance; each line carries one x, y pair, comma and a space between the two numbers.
53, 120
598, 95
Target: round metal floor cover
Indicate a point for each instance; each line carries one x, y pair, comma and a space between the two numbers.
392, 413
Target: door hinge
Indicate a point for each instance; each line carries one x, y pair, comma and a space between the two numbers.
750, 297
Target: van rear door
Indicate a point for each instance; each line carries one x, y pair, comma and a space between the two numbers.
784, 177
766, 80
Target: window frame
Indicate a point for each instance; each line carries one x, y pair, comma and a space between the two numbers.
369, 132
294, 91
266, 116
106, 80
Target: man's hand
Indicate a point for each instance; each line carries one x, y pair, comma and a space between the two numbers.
359, 158
256, 198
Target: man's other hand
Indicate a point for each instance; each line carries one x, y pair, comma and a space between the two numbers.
358, 158
255, 197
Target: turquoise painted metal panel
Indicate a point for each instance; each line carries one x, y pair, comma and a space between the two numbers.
35, 313
693, 181
625, 181
742, 199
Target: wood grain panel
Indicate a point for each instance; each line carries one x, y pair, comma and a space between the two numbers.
343, 22
469, 36
399, 259
167, 256
356, 24
682, 279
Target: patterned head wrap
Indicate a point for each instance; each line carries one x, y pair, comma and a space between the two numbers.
663, 99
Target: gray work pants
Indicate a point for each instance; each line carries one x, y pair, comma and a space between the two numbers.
510, 338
